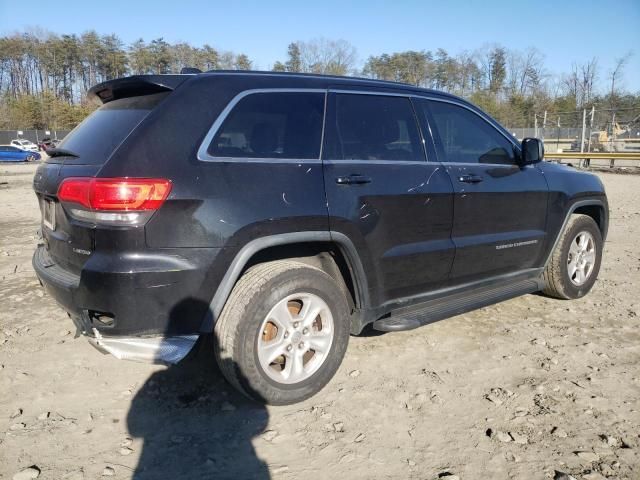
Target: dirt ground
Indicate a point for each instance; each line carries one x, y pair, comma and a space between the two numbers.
530, 388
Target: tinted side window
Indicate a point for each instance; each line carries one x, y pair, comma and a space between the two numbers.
373, 127
272, 125
464, 137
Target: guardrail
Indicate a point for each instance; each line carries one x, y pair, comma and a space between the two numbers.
584, 158
594, 155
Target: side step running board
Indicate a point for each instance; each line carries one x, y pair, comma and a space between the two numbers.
433, 310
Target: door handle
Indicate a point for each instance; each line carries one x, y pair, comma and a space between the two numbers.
470, 178
354, 179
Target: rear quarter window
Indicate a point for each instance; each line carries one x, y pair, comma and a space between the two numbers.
286, 125
100, 134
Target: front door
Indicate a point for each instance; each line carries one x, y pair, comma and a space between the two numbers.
499, 207
394, 205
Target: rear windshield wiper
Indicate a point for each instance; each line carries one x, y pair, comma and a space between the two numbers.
61, 152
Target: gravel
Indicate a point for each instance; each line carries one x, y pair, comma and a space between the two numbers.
411, 404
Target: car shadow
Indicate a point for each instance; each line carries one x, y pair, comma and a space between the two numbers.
369, 331
194, 425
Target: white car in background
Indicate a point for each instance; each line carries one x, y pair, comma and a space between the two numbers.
25, 144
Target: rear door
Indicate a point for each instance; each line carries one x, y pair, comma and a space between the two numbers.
262, 168
500, 207
394, 205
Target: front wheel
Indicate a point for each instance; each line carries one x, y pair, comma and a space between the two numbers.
283, 332
575, 261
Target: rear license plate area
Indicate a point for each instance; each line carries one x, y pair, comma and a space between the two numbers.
49, 214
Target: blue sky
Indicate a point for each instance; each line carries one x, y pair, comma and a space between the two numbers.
565, 31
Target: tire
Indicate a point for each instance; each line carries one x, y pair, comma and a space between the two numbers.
30, 158
242, 336
561, 281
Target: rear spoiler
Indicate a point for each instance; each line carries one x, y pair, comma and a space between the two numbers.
134, 86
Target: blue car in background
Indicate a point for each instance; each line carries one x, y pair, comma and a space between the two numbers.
9, 153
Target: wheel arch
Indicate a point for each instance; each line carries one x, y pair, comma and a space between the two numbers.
597, 212
595, 208
332, 252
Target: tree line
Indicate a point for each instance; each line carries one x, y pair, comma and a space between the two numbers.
511, 85
44, 77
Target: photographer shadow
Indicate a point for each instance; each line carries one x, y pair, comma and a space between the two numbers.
193, 424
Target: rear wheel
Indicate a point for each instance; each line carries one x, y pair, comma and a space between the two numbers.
30, 158
575, 261
283, 332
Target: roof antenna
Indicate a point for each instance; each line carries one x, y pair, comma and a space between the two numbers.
190, 70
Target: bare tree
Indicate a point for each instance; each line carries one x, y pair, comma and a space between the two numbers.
335, 57
570, 84
589, 76
469, 77
524, 71
579, 84
616, 75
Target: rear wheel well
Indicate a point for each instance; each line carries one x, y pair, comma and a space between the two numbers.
326, 256
596, 212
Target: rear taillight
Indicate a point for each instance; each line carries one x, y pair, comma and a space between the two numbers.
118, 201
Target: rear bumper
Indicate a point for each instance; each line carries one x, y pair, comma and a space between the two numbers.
151, 294
58, 282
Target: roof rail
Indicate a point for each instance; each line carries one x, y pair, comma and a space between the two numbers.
314, 75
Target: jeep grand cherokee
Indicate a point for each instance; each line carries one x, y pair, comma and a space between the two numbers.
284, 212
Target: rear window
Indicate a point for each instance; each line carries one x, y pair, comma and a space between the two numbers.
372, 127
98, 136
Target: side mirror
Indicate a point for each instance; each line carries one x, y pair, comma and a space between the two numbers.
532, 151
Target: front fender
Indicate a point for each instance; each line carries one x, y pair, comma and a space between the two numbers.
571, 190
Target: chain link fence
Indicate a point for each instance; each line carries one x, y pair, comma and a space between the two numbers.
588, 130
33, 135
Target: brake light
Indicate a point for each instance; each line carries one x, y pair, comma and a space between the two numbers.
115, 194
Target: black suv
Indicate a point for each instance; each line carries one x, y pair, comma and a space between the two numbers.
285, 212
